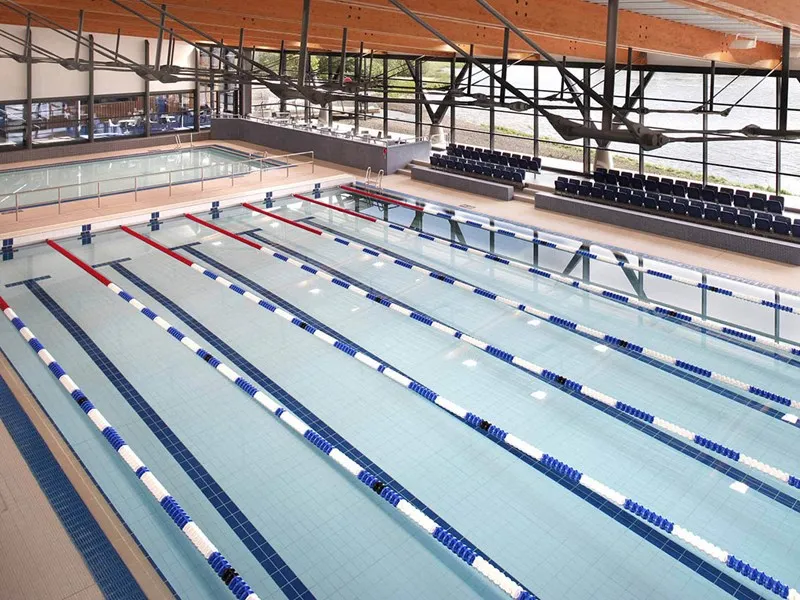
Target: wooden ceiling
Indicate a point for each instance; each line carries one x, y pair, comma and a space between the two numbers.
572, 28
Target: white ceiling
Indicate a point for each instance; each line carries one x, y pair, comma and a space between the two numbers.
689, 15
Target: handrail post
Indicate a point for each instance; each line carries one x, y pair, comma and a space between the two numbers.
59, 199
98, 194
16, 206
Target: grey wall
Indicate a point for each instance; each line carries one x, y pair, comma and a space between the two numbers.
752, 245
482, 187
337, 150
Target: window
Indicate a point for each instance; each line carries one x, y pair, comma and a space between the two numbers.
59, 121
172, 112
117, 116
12, 125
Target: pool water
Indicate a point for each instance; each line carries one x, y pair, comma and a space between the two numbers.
35, 186
282, 498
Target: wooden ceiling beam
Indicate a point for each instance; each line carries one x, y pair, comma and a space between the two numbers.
328, 19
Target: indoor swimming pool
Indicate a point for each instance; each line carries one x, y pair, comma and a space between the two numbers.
49, 184
355, 398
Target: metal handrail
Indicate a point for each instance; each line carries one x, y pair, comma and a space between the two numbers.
259, 160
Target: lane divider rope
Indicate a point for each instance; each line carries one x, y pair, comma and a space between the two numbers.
661, 311
465, 552
506, 439
567, 324
229, 576
502, 355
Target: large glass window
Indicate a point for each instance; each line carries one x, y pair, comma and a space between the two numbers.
60, 121
12, 125
172, 112
119, 116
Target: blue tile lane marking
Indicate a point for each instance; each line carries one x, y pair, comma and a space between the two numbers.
283, 396
264, 553
107, 568
626, 414
498, 436
663, 312
218, 563
628, 349
278, 301
24, 281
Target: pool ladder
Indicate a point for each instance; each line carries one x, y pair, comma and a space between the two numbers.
378, 179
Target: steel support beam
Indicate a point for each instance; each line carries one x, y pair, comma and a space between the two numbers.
504, 72
90, 107
705, 128
29, 86
160, 39
491, 110
356, 119
385, 96
587, 118
196, 91
78, 41
610, 66
536, 112
465, 69
466, 55
343, 59
785, 65
779, 86
282, 74
303, 65
147, 90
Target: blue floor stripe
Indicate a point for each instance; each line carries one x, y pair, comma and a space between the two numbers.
697, 327
105, 565
260, 548
652, 535
277, 300
287, 400
685, 375
661, 436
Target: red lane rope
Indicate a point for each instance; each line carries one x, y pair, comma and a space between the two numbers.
379, 197
283, 219
337, 208
93, 272
156, 245
223, 231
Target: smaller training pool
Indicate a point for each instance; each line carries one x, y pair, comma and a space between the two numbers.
36, 186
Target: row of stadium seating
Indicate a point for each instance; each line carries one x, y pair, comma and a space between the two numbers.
711, 213
506, 159
488, 170
692, 190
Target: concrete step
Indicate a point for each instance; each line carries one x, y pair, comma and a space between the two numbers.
404, 172
421, 163
526, 195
